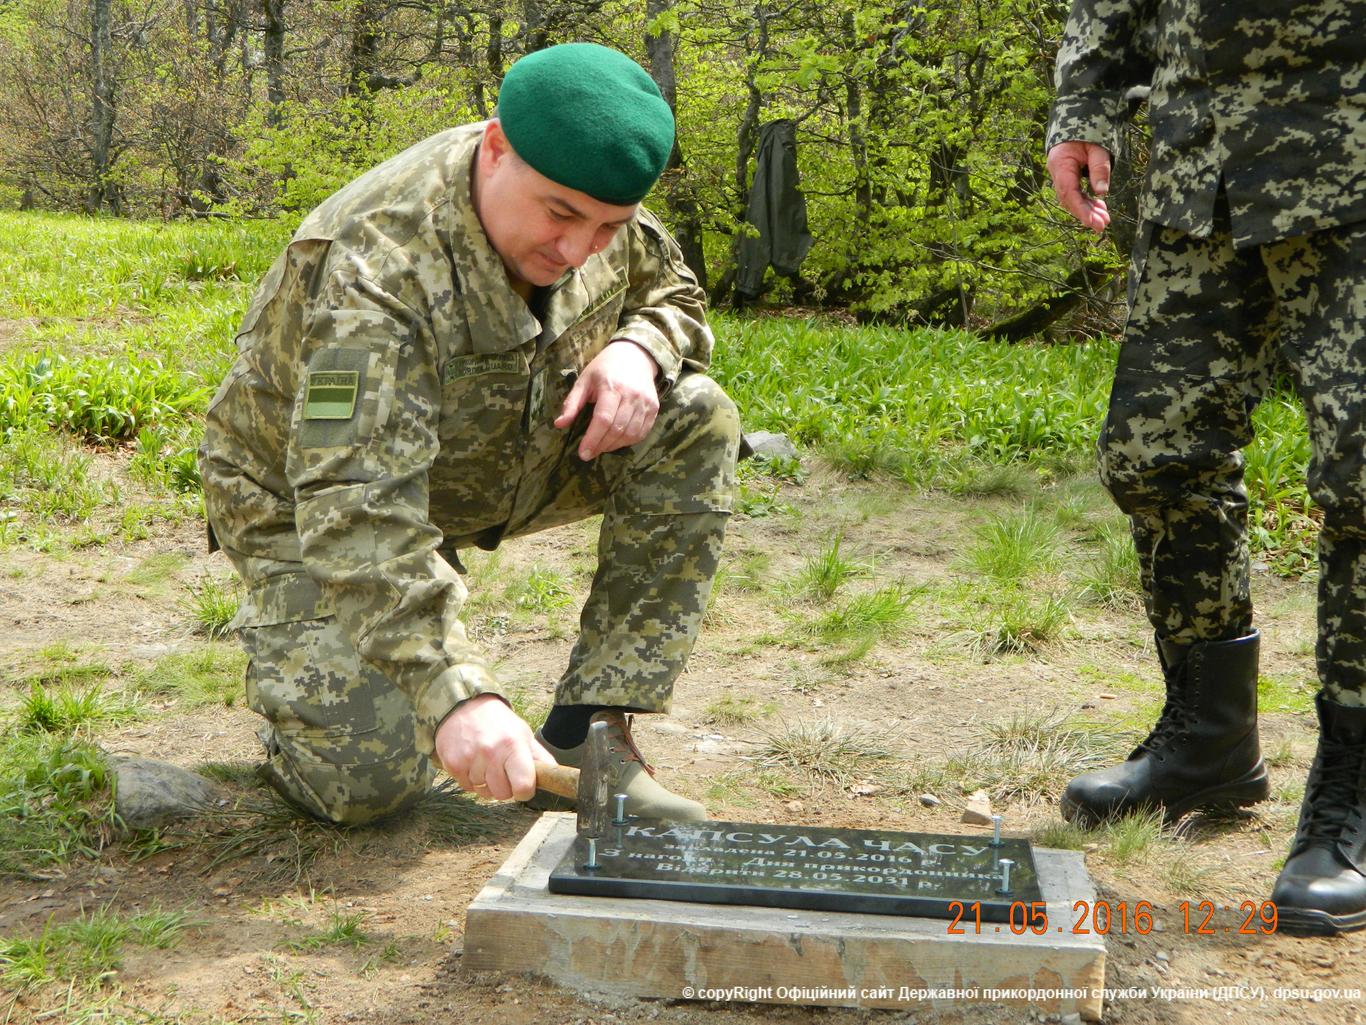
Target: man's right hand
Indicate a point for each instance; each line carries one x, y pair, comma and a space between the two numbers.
1066, 162
489, 750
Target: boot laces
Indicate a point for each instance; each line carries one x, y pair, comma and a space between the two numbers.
621, 742
1172, 722
1331, 793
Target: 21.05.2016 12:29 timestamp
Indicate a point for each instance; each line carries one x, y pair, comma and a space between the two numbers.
1103, 918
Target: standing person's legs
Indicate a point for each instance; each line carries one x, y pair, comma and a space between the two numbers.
1195, 358
1320, 283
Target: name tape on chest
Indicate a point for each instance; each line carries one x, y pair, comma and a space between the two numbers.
331, 394
472, 366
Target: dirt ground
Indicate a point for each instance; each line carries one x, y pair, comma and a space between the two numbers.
922, 693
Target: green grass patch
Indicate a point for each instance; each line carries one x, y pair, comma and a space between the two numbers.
855, 625
99, 400
542, 590
1017, 545
85, 953
202, 677
56, 801
1032, 756
1016, 621
729, 710
1110, 578
1133, 837
212, 604
343, 930
823, 574
1276, 693
826, 750
66, 708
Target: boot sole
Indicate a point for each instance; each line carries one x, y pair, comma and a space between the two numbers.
1307, 922
1252, 788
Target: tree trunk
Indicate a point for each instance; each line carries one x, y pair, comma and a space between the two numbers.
365, 36
103, 194
274, 43
686, 216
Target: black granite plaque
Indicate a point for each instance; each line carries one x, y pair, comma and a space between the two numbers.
867, 870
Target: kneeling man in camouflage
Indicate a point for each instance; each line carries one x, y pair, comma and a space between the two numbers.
482, 337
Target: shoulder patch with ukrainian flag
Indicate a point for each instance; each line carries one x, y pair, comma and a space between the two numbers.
331, 394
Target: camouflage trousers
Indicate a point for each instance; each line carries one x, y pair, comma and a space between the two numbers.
342, 740
1209, 327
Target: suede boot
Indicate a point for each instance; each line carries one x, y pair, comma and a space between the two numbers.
645, 797
1321, 890
1203, 752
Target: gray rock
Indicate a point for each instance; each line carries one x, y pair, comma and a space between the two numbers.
929, 800
770, 445
150, 794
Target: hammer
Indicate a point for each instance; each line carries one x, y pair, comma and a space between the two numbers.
591, 785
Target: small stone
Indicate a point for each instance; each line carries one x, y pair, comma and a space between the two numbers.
1071, 1019
1107, 697
978, 810
152, 794
769, 445
864, 789
794, 806
1162, 956
930, 801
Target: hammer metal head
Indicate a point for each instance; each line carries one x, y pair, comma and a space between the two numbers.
598, 780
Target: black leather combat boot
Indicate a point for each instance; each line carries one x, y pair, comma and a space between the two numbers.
1321, 890
1203, 752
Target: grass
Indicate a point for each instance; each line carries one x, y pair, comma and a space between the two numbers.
823, 574
542, 590
1032, 756
343, 930
1110, 579
283, 846
1016, 621
211, 604
1016, 545
87, 951
55, 802
849, 630
728, 710
202, 677
1286, 693
825, 750
66, 709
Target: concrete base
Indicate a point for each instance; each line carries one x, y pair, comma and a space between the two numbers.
656, 948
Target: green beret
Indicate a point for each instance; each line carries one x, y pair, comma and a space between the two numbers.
589, 118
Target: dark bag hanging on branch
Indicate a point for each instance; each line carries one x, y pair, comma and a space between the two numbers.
777, 208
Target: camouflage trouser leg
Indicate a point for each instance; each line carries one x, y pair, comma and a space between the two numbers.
1320, 286
665, 503
340, 738
1207, 325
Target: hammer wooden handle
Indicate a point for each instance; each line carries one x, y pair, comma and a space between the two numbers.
558, 779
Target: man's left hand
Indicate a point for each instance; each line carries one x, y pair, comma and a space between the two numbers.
619, 383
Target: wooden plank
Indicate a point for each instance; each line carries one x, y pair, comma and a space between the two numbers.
652, 948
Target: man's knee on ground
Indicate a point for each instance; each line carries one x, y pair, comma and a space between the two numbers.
351, 795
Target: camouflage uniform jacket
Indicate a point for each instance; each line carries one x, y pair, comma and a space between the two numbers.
389, 394
1269, 95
